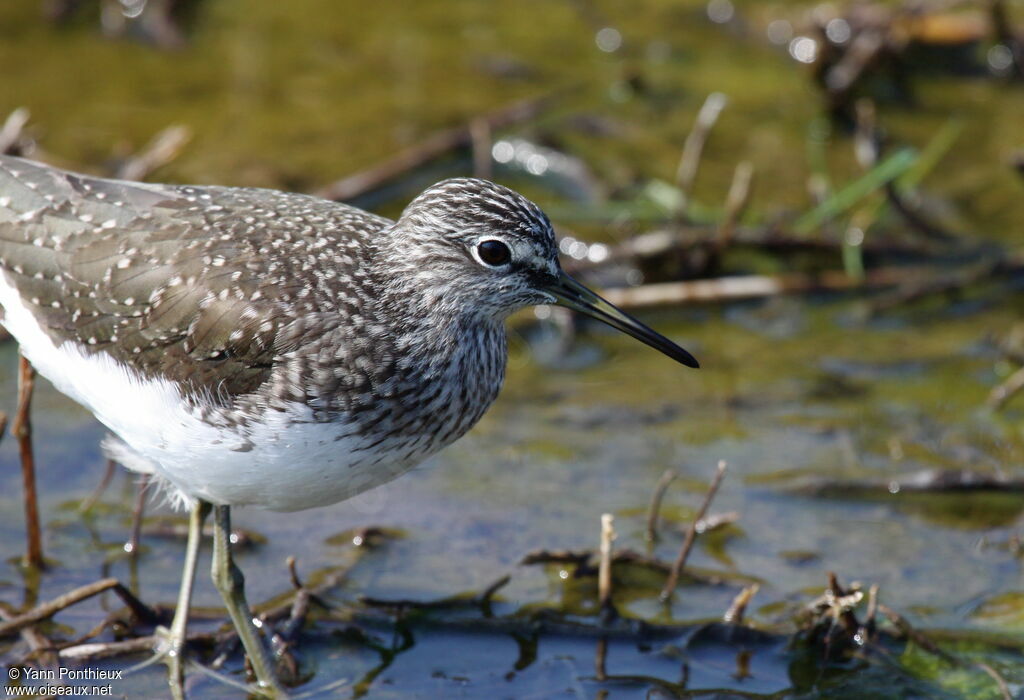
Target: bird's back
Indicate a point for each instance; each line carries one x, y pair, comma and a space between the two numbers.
191, 284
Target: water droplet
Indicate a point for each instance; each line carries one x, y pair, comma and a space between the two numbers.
720, 11
608, 39
1000, 58
503, 151
803, 49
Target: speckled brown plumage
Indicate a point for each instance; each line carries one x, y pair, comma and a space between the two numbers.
203, 323
191, 284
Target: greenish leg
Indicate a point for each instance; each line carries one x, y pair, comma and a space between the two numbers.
229, 581
175, 643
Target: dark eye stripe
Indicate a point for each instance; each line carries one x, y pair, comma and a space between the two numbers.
494, 253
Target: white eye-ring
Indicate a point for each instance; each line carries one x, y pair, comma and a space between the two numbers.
492, 252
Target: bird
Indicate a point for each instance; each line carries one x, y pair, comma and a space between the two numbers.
250, 347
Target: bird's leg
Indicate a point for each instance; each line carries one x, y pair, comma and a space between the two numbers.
173, 648
229, 581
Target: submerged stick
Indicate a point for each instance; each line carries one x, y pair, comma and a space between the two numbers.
1006, 390
693, 147
600, 659
132, 545
691, 534
52, 607
604, 571
736, 202
22, 430
101, 487
738, 608
654, 509
725, 289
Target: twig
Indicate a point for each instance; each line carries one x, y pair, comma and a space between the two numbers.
485, 598
734, 615
604, 571
41, 646
11, 133
101, 487
864, 52
867, 630
22, 430
843, 602
725, 289
735, 202
161, 150
601, 659
691, 534
107, 650
918, 638
582, 560
935, 283
480, 137
293, 574
654, 509
868, 147
716, 520
481, 600
1004, 689
431, 148
693, 147
283, 641
1006, 390
52, 607
132, 545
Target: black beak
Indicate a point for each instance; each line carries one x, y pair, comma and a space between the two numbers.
571, 294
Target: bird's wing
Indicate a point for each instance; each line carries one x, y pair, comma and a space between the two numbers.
191, 284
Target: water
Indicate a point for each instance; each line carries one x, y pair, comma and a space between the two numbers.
793, 393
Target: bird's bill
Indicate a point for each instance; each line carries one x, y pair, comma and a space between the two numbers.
571, 294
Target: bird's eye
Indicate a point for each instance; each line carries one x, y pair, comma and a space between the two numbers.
494, 253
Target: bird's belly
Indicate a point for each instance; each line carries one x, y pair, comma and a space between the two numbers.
282, 461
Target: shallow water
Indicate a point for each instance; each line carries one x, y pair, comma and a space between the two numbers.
792, 393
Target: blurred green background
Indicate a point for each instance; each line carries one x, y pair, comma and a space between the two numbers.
817, 401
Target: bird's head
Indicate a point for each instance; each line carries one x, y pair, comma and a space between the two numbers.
473, 244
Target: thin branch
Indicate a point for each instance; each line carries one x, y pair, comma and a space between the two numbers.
735, 202
738, 608
101, 487
1006, 390
50, 608
604, 570
693, 147
12, 131
161, 150
22, 430
691, 534
432, 147
724, 289
654, 509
